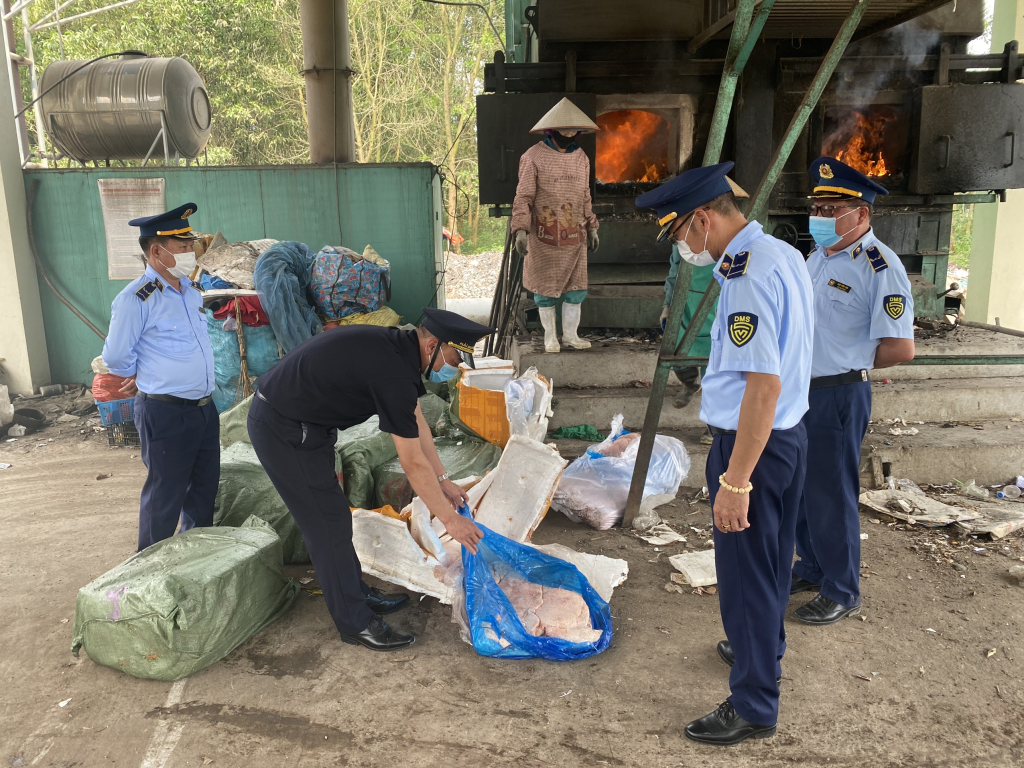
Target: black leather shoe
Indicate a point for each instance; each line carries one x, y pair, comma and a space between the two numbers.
726, 654
802, 585
821, 611
380, 637
724, 727
382, 604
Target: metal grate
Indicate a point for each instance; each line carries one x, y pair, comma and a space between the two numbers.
123, 435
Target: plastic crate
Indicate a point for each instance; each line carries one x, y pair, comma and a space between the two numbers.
123, 435
482, 408
117, 411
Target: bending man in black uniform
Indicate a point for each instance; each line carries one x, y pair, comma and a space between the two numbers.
334, 381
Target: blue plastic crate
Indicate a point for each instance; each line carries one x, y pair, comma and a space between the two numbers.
117, 411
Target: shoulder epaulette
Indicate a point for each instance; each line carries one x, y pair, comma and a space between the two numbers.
738, 265
876, 259
148, 289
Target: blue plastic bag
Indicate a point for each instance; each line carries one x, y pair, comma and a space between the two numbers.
261, 354
492, 616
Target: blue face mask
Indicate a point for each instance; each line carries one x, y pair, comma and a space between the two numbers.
823, 229
446, 372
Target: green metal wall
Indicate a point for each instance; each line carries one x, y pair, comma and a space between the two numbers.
393, 207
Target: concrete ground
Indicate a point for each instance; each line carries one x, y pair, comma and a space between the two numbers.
936, 692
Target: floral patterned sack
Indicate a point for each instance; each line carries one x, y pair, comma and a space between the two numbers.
345, 283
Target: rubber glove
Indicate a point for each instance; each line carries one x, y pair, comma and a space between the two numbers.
664, 317
592, 241
521, 242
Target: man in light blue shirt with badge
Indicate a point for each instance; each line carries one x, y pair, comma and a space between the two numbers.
754, 397
863, 319
159, 341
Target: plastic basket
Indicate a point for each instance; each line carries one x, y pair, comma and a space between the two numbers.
117, 411
483, 411
123, 435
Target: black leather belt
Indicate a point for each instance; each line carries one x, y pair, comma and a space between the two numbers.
176, 400
719, 431
850, 377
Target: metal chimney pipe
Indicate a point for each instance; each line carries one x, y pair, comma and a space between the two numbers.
327, 70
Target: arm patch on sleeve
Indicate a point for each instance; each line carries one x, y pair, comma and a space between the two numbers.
742, 326
894, 305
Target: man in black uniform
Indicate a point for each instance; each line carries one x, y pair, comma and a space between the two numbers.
336, 380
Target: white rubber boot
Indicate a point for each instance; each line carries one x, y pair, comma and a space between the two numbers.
570, 322
547, 319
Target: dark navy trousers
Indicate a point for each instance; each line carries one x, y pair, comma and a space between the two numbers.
754, 567
828, 528
181, 450
300, 460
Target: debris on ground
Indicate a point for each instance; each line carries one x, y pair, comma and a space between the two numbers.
1017, 572
662, 534
579, 432
973, 516
698, 568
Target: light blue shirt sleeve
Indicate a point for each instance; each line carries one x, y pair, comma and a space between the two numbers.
750, 321
892, 310
126, 324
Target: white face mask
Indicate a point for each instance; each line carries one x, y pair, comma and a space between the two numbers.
184, 264
702, 259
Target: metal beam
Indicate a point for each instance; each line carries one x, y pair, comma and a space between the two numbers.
741, 43
759, 202
895, 21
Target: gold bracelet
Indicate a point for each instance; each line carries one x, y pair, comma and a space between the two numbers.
734, 489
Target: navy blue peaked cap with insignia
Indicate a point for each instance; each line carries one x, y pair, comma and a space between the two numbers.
833, 178
686, 192
453, 329
171, 224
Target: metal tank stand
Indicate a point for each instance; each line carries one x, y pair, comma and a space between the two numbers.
745, 31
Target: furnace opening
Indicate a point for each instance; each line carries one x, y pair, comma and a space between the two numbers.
872, 140
632, 145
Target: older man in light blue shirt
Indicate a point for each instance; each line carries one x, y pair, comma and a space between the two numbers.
754, 397
864, 319
159, 341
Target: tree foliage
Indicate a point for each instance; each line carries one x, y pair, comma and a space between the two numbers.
418, 69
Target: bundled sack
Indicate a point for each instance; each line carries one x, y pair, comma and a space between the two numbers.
593, 489
232, 264
522, 603
261, 354
461, 457
281, 277
245, 489
185, 602
343, 283
528, 405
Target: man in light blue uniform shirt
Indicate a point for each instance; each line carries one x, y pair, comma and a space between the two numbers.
754, 397
159, 340
864, 319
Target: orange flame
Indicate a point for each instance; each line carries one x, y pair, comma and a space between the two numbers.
632, 145
862, 151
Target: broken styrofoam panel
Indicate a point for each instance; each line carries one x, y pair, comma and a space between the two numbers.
603, 573
477, 491
520, 489
422, 531
387, 550
662, 534
914, 508
698, 568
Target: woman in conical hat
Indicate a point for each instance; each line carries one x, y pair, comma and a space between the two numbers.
554, 223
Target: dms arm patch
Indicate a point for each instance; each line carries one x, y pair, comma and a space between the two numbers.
894, 305
742, 326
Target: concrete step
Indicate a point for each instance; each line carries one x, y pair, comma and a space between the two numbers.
937, 400
620, 361
991, 452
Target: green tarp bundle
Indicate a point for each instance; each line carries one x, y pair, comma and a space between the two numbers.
461, 458
245, 489
185, 602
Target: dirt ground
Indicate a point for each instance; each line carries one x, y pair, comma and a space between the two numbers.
294, 695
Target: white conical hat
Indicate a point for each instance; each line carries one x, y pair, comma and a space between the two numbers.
565, 116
